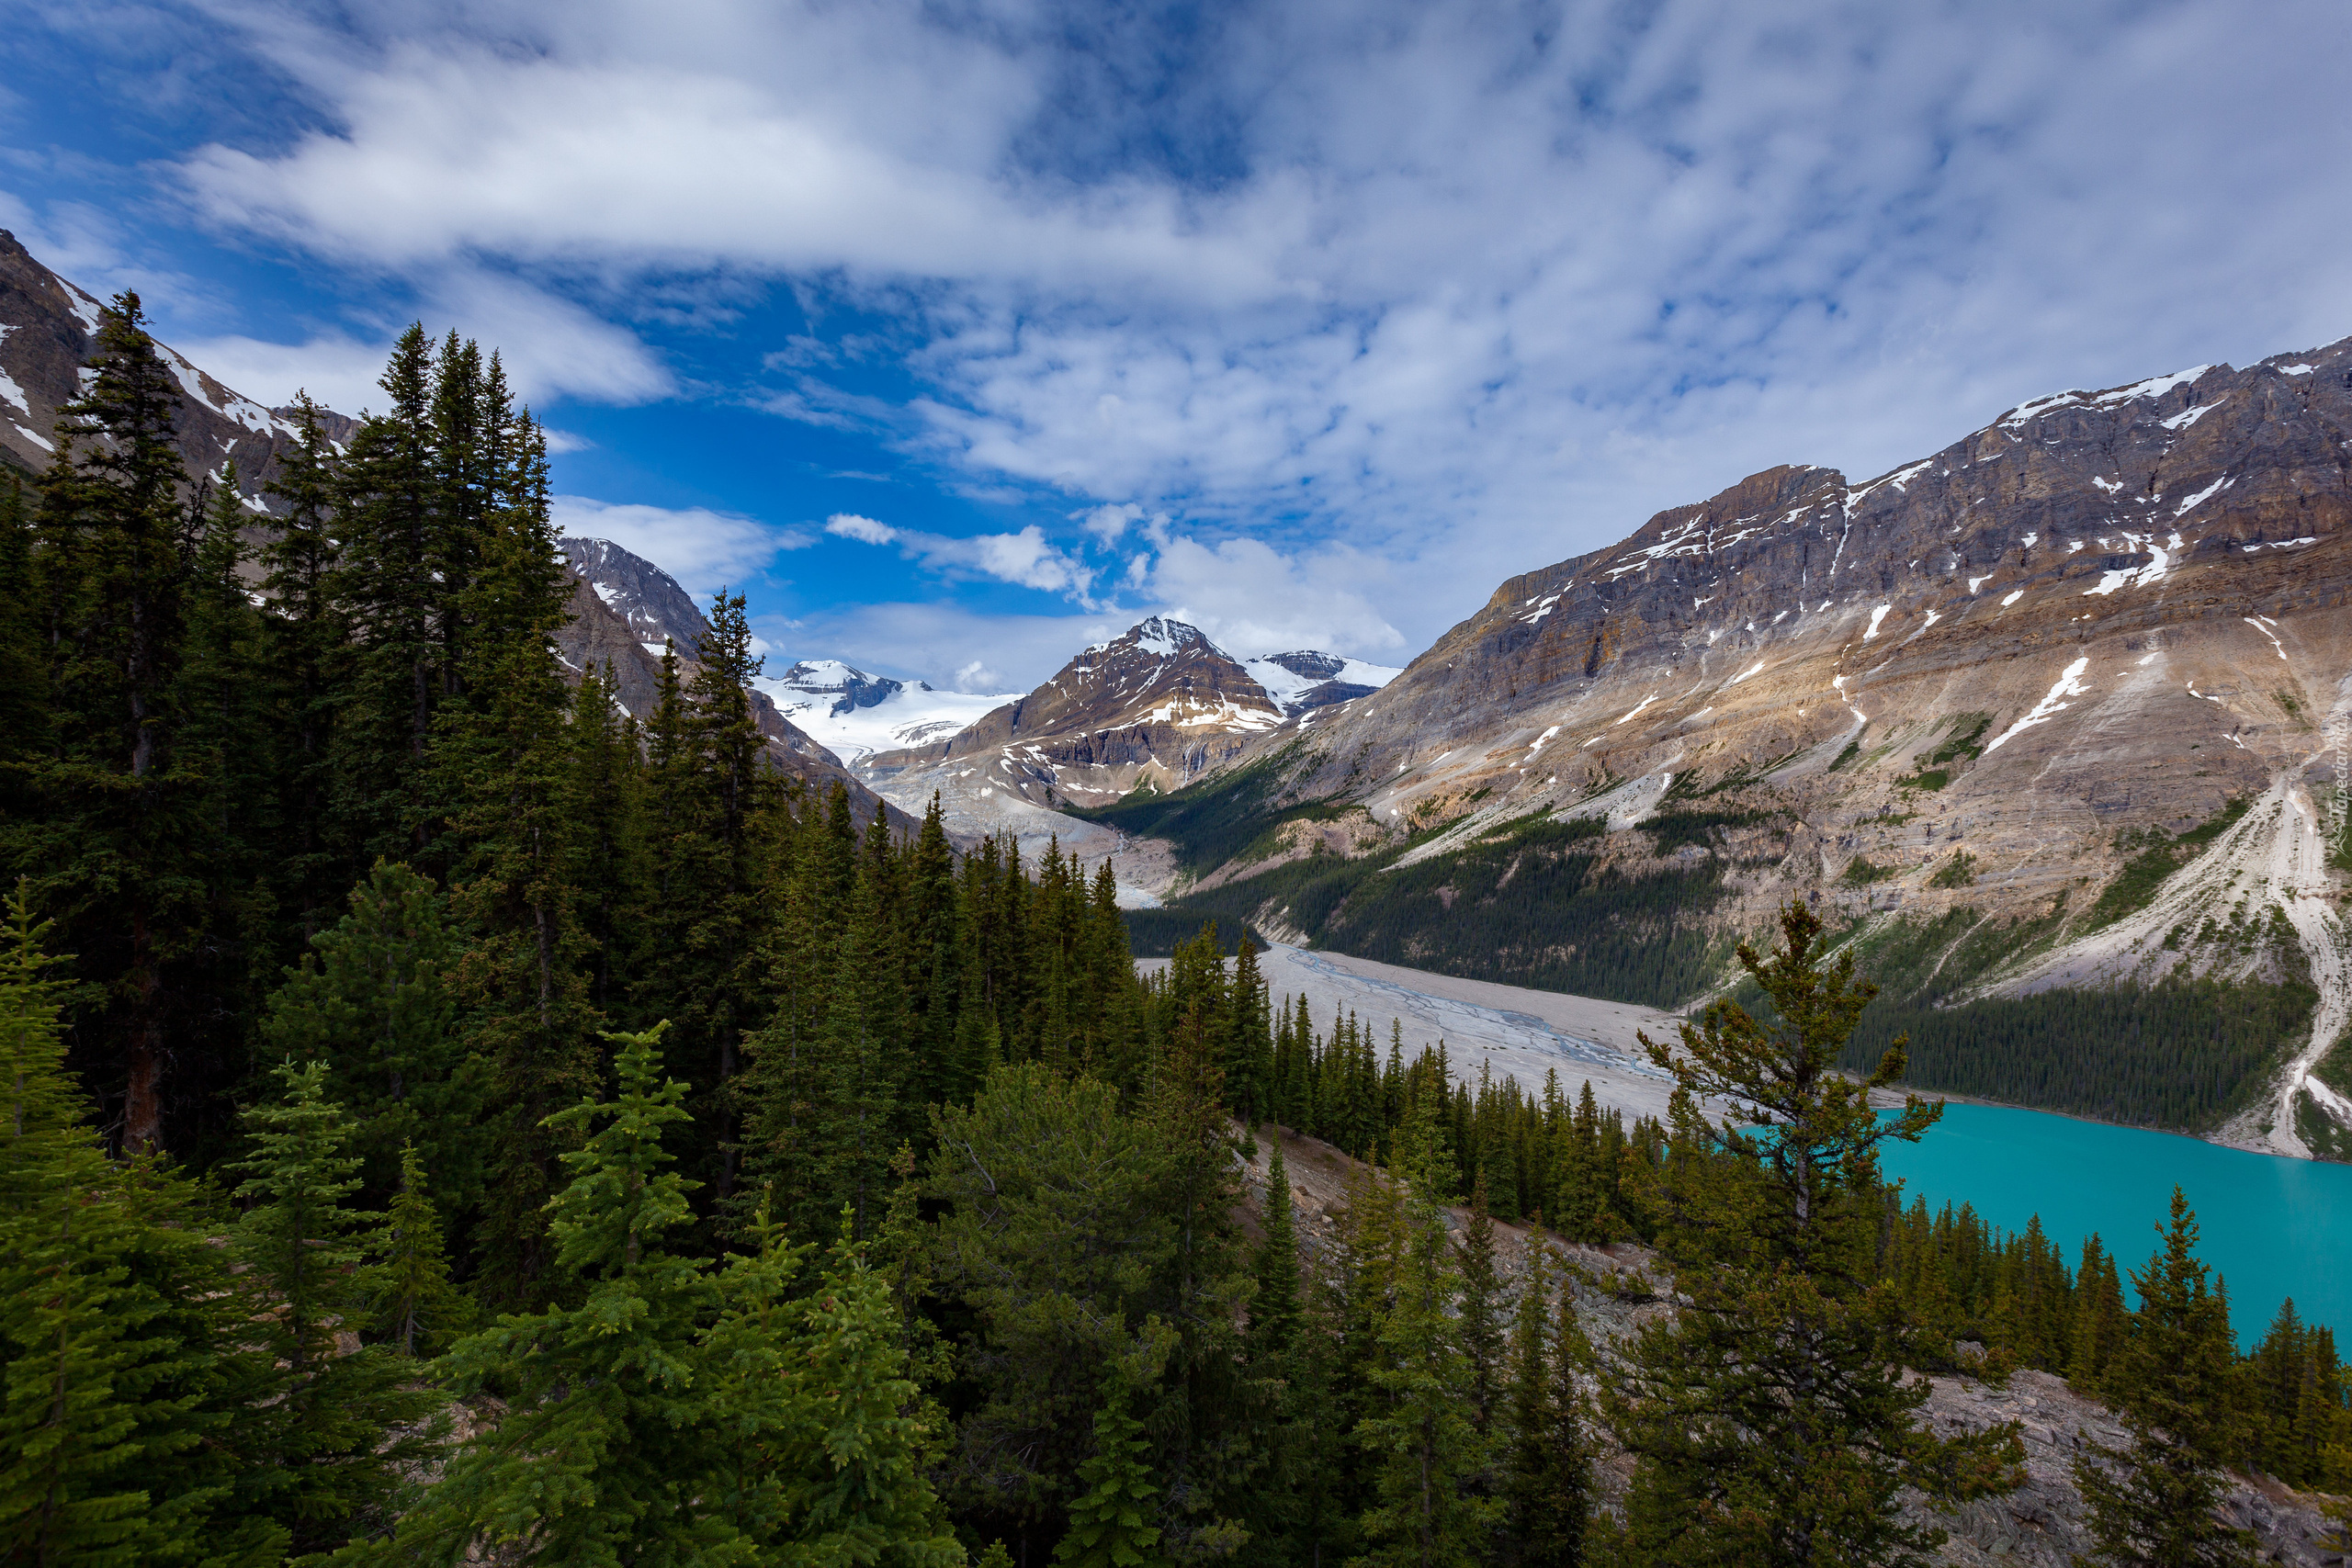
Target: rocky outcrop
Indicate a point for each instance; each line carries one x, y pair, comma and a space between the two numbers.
48, 330
2041, 1525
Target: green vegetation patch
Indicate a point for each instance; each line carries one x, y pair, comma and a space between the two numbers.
1231, 816
2182, 1055
2160, 854
1157, 933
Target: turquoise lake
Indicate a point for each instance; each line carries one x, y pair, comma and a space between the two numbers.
2271, 1227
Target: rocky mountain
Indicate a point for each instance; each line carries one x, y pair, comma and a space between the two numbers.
1306, 679
1152, 709
2059, 713
624, 609
47, 331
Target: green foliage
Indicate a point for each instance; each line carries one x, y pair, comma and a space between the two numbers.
2154, 1501
1767, 1423
1959, 871
2160, 854
2183, 1053
1861, 871
1110, 1521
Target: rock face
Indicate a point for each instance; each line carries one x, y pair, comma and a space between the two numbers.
1971, 681
1158, 707
47, 329
623, 610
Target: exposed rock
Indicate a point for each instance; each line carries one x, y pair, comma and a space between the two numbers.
49, 329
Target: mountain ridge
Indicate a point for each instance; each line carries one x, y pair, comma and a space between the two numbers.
1978, 689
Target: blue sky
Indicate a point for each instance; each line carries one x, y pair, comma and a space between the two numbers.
960, 333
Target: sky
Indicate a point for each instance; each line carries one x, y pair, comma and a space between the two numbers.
958, 333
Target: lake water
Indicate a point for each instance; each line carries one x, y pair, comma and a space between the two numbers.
2272, 1227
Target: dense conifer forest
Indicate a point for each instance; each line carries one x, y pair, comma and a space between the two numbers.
448, 1120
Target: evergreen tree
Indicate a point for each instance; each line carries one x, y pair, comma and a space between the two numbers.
115, 842
329, 1420
310, 658
415, 1305
118, 1441
1419, 1429
1481, 1309
1769, 1418
607, 1433
1111, 1521
1274, 1310
373, 1001
1548, 1486
2154, 1503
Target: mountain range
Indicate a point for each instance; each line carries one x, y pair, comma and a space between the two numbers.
2057, 720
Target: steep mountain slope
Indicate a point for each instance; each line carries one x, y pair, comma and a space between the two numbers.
47, 331
623, 610
855, 714
2073, 694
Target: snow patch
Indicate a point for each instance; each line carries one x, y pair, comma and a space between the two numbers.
2011, 597
2153, 387
2069, 686
1876, 617
2201, 495
1753, 668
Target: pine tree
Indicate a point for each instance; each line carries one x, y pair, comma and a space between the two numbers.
114, 843
1274, 1310
310, 661
2153, 1501
1547, 1485
118, 1324
1481, 1309
1419, 1429
1769, 1418
826, 1443
331, 1417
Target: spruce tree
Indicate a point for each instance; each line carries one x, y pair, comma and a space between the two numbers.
125, 1365
2153, 1501
374, 1001
115, 842
1547, 1484
1769, 1418
1419, 1429
414, 1304
337, 1422
1111, 1522
1274, 1310
607, 1435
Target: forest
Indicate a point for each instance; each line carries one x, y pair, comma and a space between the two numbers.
451, 1120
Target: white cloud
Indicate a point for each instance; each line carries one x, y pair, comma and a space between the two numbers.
1463, 293
850, 525
1026, 559
704, 550
1253, 598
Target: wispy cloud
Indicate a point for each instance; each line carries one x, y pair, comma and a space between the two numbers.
1026, 559
704, 550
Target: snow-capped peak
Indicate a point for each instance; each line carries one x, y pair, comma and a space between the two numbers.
1309, 679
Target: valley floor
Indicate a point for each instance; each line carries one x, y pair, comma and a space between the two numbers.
1514, 1030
